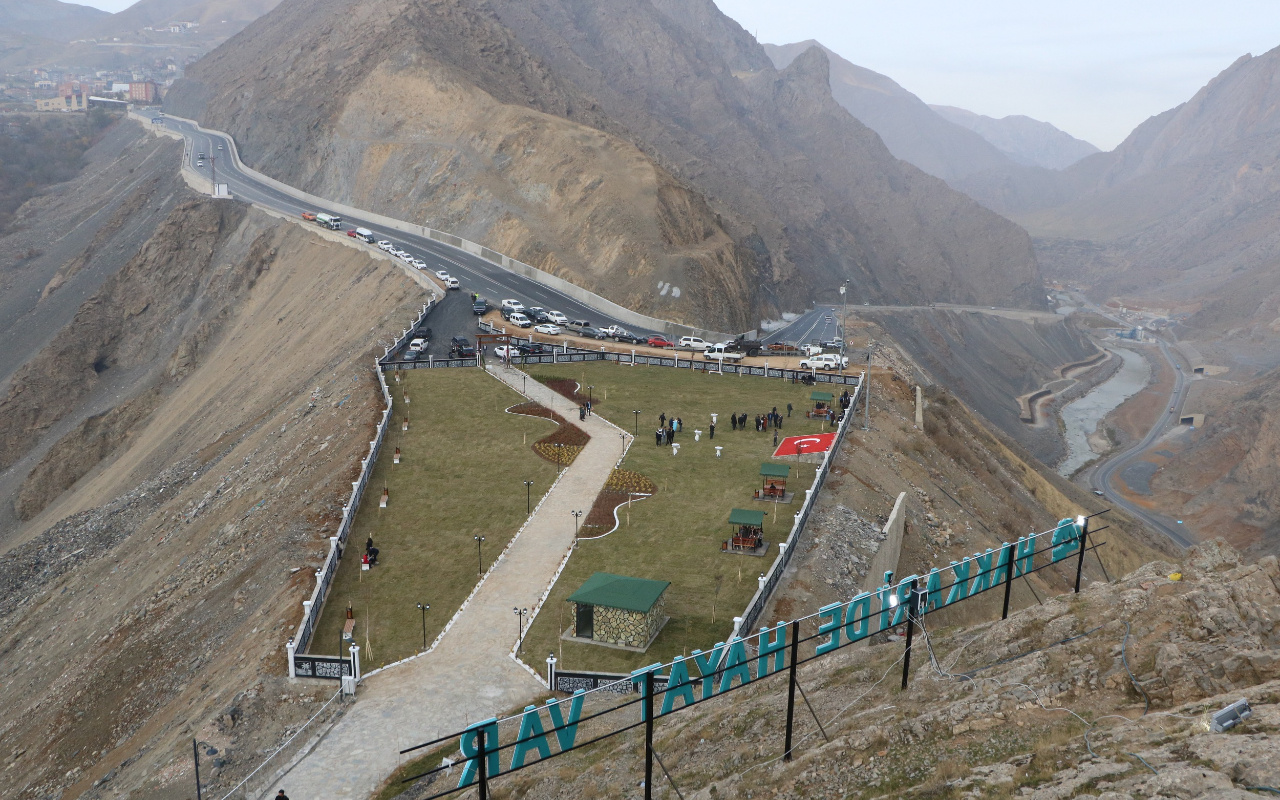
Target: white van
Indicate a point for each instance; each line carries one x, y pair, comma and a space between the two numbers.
364, 233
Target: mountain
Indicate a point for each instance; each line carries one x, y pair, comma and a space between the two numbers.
1025, 140
622, 145
227, 15
49, 18
911, 130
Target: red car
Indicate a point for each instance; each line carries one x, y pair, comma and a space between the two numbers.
658, 341
352, 233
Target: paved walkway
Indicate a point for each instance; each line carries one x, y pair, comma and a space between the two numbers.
469, 676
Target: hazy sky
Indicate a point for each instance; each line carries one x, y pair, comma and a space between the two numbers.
1095, 69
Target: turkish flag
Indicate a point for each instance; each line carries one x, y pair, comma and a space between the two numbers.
799, 445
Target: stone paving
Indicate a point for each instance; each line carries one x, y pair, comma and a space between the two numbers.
469, 676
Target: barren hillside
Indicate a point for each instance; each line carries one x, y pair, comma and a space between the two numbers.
619, 144
194, 428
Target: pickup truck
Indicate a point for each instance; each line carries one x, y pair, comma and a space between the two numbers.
751, 347
721, 352
823, 361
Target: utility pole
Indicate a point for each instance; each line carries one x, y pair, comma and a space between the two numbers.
213, 168
866, 396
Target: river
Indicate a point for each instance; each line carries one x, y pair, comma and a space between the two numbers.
1080, 417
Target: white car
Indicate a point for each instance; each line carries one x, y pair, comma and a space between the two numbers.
452, 283
386, 246
442, 274
825, 361
557, 318
418, 345
513, 305
692, 343
506, 351
419, 264
548, 329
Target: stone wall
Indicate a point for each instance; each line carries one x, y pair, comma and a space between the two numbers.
626, 628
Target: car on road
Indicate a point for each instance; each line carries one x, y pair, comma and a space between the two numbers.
385, 245
824, 361
461, 347
219, 147
1099, 493
480, 307
452, 283
548, 329
417, 344
658, 341
556, 318
512, 305
519, 319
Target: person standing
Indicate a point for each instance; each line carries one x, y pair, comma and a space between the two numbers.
788, 409
713, 431
733, 422
662, 420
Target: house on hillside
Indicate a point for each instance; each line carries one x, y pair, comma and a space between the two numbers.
618, 611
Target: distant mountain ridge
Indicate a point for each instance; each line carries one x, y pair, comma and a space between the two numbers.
50, 18
1025, 140
707, 168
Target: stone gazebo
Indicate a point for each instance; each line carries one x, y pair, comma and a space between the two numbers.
618, 611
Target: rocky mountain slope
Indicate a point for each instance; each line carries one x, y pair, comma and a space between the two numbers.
194, 429
1025, 140
564, 134
1103, 695
911, 130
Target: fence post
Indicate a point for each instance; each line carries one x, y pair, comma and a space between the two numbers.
1084, 540
484, 760
913, 608
648, 735
791, 685
1008, 578
289, 646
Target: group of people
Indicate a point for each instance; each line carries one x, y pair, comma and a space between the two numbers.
584, 410
370, 553
763, 422
668, 428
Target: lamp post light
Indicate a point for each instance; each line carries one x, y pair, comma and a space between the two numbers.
844, 316
637, 413
528, 498
576, 516
424, 608
520, 613
559, 448
479, 557
551, 671
590, 394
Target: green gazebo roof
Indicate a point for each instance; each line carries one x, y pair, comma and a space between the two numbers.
619, 591
775, 470
746, 516
823, 397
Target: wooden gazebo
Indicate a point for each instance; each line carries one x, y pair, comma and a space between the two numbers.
747, 534
821, 404
774, 488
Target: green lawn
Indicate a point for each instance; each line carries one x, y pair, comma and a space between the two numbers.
462, 471
676, 535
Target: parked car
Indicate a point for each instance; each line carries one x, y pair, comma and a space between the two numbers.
514, 305
363, 234
519, 319
626, 337
452, 283
412, 355
548, 329
461, 347
352, 233
418, 264
658, 341
588, 332
556, 318
810, 349
534, 312
532, 349
613, 330
480, 307
442, 273
506, 351
384, 245
824, 361
692, 343
417, 344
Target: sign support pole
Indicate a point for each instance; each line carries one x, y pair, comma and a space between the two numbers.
648, 735
1008, 578
1084, 540
195, 753
484, 761
791, 685
912, 610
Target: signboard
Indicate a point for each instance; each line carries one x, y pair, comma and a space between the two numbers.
727, 666
804, 445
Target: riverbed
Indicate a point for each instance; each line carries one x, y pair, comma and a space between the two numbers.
1080, 417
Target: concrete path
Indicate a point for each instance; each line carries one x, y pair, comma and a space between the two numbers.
469, 676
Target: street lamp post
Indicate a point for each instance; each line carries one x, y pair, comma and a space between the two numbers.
590, 395
479, 557
844, 316
424, 608
528, 498
521, 613
559, 449
576, 516
637, 413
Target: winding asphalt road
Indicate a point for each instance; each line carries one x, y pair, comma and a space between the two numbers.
1100, 477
